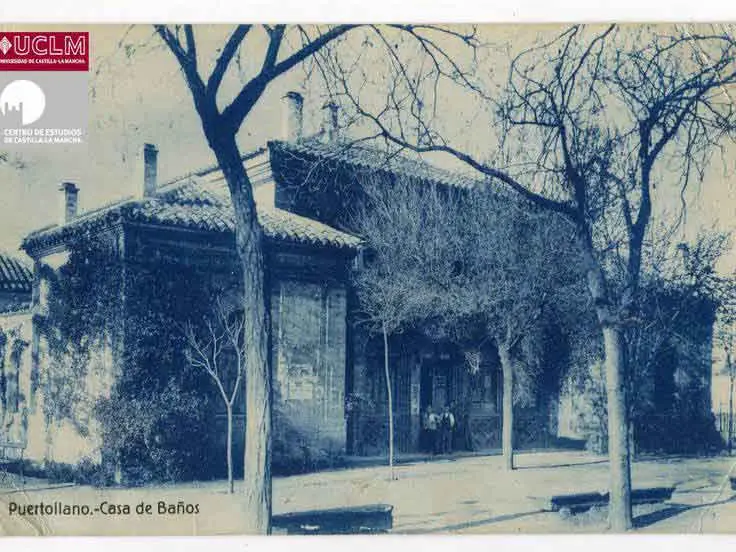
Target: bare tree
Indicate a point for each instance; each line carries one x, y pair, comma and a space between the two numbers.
220, 128
516, 264
390, 284
589, 123
273, 50
219, 350
462, 260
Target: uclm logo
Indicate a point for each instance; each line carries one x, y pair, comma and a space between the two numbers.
44, 51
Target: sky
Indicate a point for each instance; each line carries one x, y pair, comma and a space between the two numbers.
134, 99
137, 95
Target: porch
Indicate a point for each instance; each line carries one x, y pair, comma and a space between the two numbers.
432, 374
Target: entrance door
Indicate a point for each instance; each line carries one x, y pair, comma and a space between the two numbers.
437, 384
426, 396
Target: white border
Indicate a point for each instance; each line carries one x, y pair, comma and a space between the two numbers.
393, 543
516, 11
328, 11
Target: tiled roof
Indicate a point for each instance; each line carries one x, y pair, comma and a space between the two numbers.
206, 206
201, 201
360, 155
15, 274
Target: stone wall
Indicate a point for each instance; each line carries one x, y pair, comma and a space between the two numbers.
309, 356
62, 426
167, 278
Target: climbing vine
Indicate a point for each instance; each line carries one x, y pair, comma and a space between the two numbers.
81, 316
115, 352
12, 399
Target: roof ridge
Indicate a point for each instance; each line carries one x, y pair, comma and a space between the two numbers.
338, 150
213, 167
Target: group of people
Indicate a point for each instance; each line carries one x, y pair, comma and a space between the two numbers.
438, 430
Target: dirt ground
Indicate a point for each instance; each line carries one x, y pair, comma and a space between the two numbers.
464, 495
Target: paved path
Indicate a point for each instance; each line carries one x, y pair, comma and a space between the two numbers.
466, 495
475, 495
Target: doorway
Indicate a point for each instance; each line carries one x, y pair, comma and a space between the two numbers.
438, 383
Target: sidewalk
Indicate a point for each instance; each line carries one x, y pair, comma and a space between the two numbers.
472, 494
476, 495
352, 462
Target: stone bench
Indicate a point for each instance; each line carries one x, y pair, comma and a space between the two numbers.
375, 518
577, 502
651, 495
580, 502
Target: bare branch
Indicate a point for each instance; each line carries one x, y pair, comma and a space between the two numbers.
223, 61
188, 61
236, 112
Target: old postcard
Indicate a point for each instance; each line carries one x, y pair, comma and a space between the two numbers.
364, 279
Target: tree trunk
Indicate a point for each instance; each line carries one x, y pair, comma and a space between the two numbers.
230, 485
389, 394
249, 244
619, 514
507, 431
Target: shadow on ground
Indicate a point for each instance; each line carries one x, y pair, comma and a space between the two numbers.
672, 510
641, 521
570, 465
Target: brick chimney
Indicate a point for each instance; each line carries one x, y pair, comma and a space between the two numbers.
293, 116
68, 200
329, 120
148, 180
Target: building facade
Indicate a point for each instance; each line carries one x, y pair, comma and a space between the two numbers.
99, 319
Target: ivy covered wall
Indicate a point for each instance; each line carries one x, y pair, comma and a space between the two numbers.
670, 361
115, 387
15, 385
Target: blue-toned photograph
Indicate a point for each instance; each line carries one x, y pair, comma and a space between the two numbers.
368, 279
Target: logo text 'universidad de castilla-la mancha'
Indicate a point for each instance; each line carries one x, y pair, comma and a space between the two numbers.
39, 51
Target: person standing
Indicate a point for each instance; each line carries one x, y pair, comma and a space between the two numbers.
447, 425
431, 423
